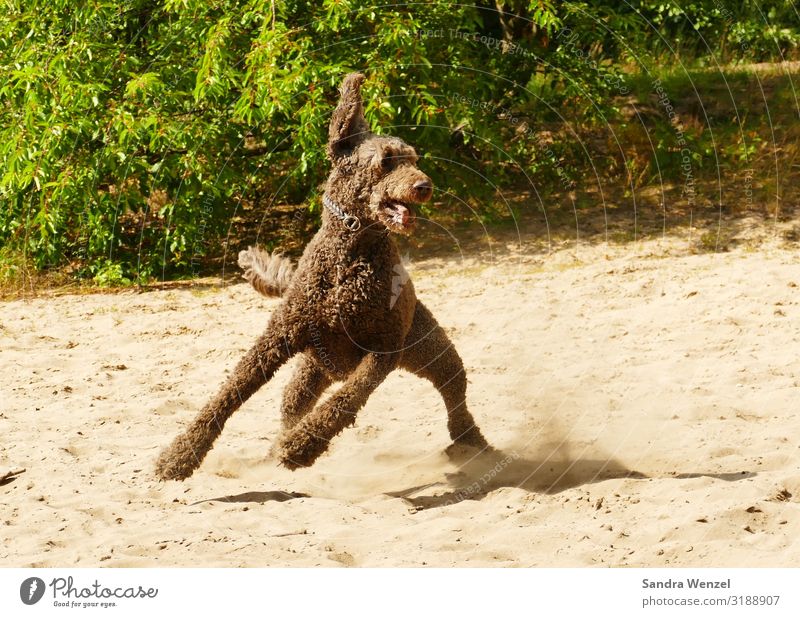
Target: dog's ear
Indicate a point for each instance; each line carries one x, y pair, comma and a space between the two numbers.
348, 125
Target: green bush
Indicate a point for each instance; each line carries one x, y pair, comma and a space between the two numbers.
133, 131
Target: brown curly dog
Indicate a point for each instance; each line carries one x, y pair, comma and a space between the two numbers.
348, 308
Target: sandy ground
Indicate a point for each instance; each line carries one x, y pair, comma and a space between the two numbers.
645, 402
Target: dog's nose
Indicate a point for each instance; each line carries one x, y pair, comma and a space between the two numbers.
423, 189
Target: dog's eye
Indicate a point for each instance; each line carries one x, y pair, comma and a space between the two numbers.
387, 161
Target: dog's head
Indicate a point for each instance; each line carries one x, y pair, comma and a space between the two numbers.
374, 177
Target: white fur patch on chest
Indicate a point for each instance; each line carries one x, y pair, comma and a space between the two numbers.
400, 277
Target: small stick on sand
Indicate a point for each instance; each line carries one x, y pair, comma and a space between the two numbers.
10, 474
302, 532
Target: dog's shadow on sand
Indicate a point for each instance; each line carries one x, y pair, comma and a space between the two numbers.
255, 497
480, 474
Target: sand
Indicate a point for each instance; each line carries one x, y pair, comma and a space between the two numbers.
644, 401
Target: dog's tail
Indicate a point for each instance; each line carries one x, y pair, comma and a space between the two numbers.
269, 275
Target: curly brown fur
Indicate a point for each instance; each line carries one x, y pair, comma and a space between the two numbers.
348, 308
268, 274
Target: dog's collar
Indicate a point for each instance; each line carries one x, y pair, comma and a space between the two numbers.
351, 222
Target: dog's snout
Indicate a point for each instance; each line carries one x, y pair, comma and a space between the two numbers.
423, 189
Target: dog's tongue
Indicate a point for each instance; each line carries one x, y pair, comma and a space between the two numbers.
402, 214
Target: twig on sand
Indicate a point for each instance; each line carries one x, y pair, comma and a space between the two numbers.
10, 475
302, 532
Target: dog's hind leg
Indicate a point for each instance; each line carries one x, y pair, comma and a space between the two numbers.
306, 386
430, 354
271, 350
301, 446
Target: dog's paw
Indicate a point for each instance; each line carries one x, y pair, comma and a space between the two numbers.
167, 469
469, 446
177, 462
459, 452
299, 448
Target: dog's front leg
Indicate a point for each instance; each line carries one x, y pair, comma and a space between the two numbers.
272, 349
301, 446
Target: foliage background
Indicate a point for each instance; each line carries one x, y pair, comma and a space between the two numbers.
134, 132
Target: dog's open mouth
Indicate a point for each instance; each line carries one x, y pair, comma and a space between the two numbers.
398, 216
